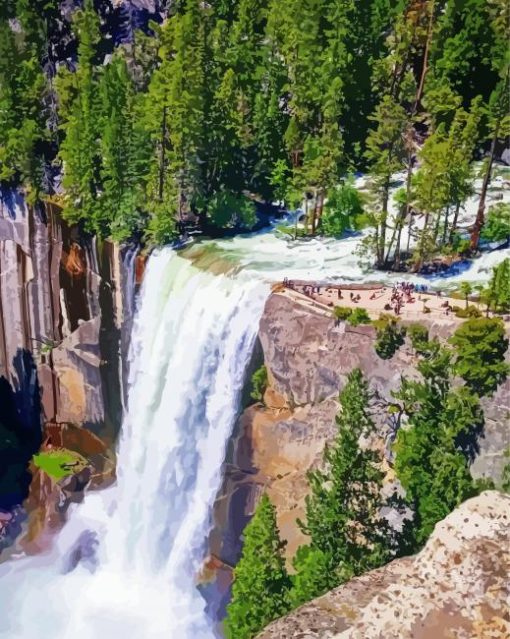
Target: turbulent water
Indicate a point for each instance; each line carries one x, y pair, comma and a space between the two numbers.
126, 563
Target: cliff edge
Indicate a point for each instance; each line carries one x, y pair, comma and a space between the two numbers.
457, 586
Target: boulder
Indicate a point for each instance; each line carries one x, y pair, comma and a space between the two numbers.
457, 587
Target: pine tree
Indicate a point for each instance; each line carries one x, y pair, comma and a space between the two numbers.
480, 346
22, 114
436, 446
343, 511
124, 151
261, 583
385, 153
175, 121
80, 150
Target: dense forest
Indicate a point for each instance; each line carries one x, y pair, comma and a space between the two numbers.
143, 130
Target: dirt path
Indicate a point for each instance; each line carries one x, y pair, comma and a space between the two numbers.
375, 300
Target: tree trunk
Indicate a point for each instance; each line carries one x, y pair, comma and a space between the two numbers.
454, 223
419, 263
480, 215
314, 212
419, 91
445, 228
321, 206
407, 210
384, 220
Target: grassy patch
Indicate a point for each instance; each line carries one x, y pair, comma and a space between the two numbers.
59, 462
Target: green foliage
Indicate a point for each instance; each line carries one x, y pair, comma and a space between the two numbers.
23, 89
259, 384
390, 336
343, 210
497, 225
230, 102
347, 533
316, 573
358, 316
419, 336
342, 312
470, 311
59, 462
261, 584
499, 286
480, 346
226, 209
434, 449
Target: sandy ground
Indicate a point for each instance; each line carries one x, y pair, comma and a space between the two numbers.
375, 300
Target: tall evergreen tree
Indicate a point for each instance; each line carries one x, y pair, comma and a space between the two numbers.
80, 149
22, 116
261, 583
348, 534
435, 447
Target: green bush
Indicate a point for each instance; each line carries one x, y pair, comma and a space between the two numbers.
465, 313
343, 210
342, 312
358, 316
497, 226
390, 336
419, 336
259, 384
480, 345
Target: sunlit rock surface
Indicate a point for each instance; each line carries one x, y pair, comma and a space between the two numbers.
275, 444
457, 587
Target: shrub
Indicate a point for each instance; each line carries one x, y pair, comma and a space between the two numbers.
259, 384
419, 336
359, 316
389, 336
497, 226
343, 208
480, 345
342, 312
465, 313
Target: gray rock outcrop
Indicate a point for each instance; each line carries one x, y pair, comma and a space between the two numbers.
457, 586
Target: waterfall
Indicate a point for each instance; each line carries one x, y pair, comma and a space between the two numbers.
125, 564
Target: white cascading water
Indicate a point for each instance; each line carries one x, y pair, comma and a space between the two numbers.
125, 565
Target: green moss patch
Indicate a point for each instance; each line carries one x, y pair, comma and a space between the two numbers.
59, 462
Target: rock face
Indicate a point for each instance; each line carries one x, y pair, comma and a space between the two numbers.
66, 308
457, 587
308, 359
68, 303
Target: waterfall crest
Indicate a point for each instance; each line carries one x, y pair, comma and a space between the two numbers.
126, 562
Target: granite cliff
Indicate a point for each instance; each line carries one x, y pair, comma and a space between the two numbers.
276, 442
66, 306
457, 587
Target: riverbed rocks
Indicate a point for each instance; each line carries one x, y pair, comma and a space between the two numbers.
457, 587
